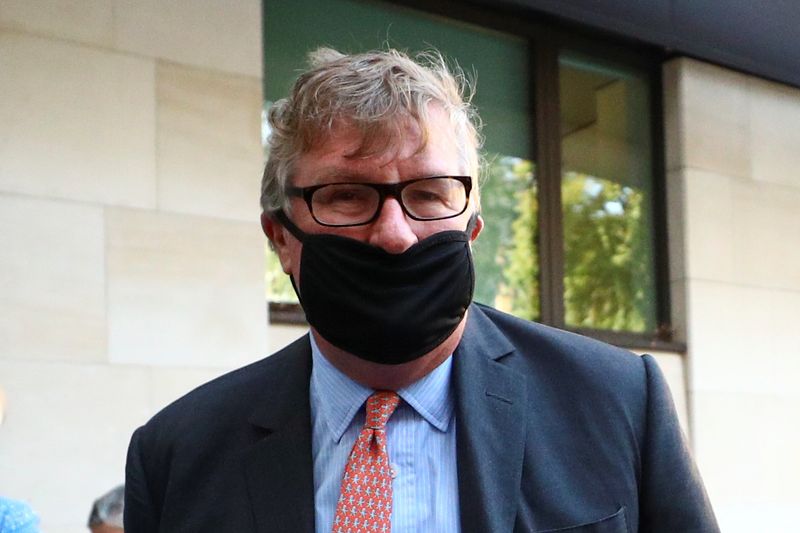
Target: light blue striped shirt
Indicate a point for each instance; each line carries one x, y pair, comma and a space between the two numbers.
421, 443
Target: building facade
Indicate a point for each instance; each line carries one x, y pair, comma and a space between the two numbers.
132, 262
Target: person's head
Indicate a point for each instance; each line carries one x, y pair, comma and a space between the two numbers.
382, 98
382, 150
107, 512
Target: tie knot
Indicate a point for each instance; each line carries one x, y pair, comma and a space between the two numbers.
380, 407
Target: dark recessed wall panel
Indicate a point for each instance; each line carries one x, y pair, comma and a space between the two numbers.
640, 19
759, 37
762, 38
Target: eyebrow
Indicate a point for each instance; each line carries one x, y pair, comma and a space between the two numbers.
340, 175
331, 174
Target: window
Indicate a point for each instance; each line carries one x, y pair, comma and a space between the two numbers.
606, 192
569, 192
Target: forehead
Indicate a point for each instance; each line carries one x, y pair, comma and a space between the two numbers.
403, 152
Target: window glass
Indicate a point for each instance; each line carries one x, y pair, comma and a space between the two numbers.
506, 257
607, 185
505, 254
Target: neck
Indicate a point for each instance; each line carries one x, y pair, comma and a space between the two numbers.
389, 377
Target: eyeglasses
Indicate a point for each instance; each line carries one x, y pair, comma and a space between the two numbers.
356, 204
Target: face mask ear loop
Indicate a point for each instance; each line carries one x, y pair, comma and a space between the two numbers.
281, 217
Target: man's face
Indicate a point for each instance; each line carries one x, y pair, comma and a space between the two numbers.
392, 230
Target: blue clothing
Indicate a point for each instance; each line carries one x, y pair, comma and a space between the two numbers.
421, 444
17, 517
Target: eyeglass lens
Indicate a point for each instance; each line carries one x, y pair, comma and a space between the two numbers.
355, 203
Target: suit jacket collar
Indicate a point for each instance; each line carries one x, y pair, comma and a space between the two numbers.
278, 466
490, 427
490, 413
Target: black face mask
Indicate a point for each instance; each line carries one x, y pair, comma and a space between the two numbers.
382, 307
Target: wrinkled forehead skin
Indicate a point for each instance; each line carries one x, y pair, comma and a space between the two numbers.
399, 136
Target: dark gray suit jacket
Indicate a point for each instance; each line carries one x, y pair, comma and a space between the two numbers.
555, 432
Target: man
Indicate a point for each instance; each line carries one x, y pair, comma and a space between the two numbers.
406, 408
107, 511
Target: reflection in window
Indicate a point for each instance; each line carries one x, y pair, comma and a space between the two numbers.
505, 254
606, 197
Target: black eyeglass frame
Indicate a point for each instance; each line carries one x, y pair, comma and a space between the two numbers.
384, 189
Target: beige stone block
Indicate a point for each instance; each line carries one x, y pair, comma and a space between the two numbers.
210, 157
52, 280
743, 339
279, 336
63, 529
742, 231
169, 384
65, 437
87, 21
775, 123
206, 33
710, 241
766, 234
78, 123
746, 447
714, 114
184, 290
761, 516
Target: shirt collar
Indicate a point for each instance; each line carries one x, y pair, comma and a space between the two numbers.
338, 398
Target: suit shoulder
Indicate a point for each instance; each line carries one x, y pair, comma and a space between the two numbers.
558, 340
545, 349
569, 373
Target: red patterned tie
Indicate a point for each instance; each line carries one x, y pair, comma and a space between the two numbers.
365, 499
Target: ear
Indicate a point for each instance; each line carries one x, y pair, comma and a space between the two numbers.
278, 237
477, 229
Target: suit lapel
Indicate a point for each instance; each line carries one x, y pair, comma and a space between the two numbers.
490, 427
490, 434
278, 467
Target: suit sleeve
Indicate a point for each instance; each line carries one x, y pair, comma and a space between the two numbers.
672, 494
140, 513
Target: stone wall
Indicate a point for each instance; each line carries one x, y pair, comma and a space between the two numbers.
132, 262
733, 154
131, 257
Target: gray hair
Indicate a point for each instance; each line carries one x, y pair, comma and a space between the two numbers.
109, 508
370, 92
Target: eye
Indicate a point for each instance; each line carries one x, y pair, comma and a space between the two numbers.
434, 198
424, 195
432, 191
343, 194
